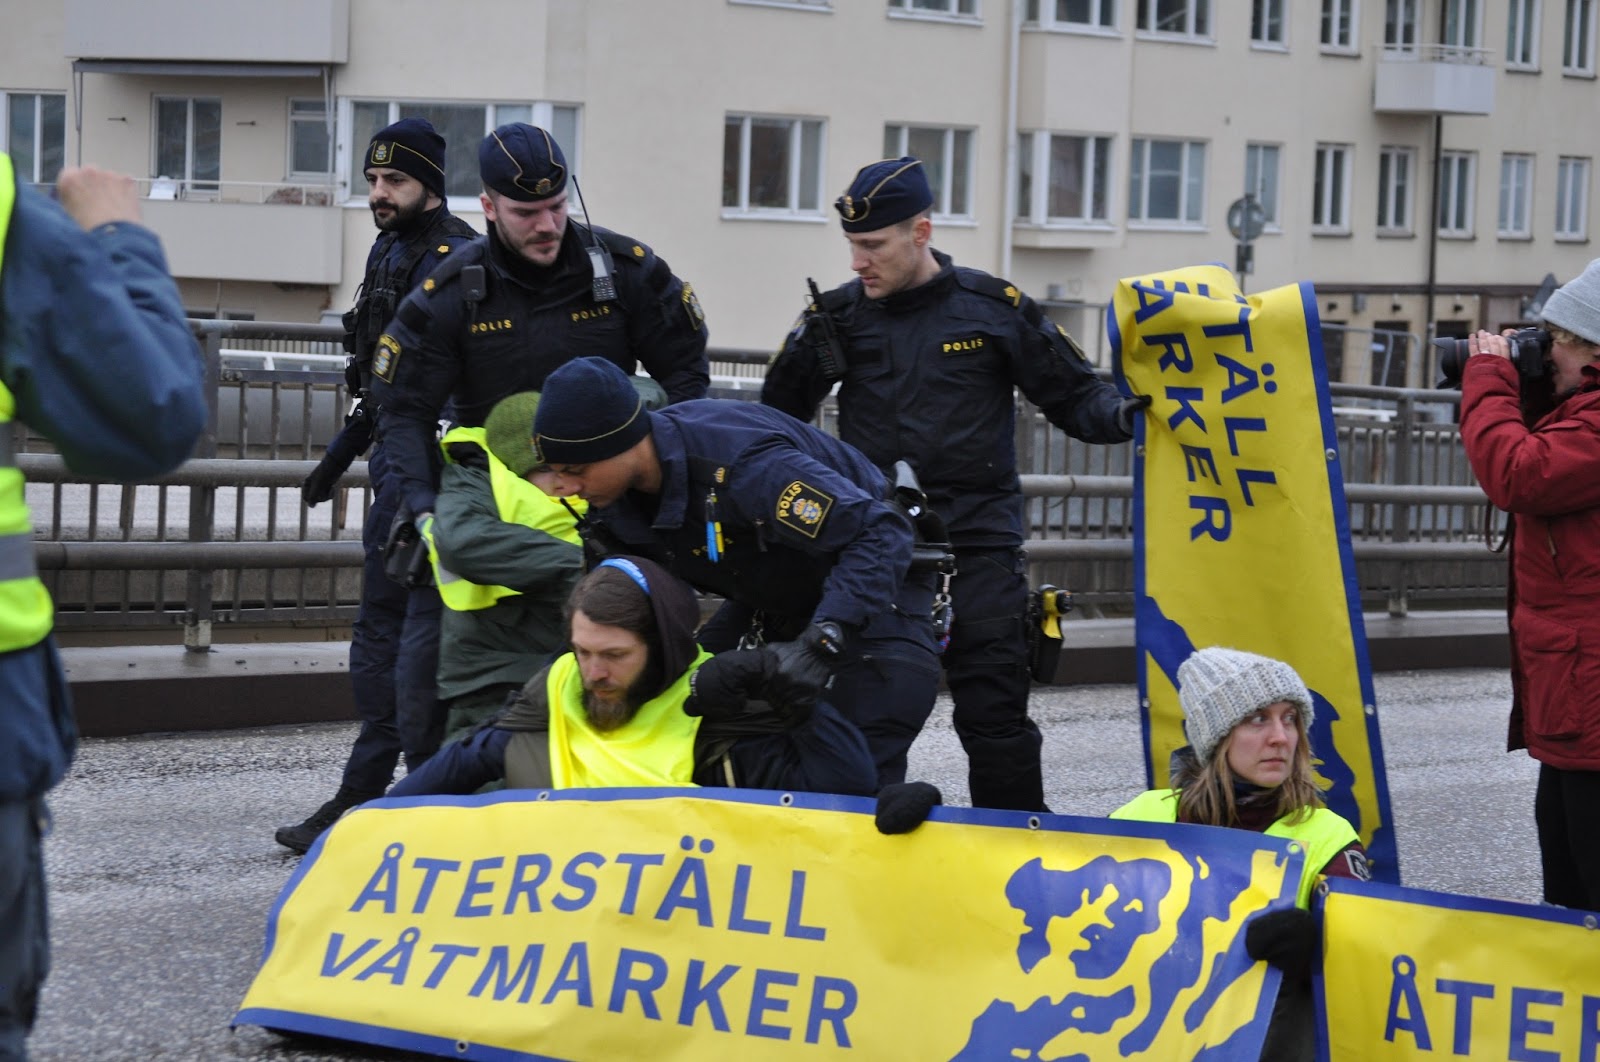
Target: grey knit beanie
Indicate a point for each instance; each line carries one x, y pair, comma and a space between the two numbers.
1575, 305
1219, 687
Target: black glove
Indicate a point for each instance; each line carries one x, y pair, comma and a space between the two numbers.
1129, 409
351, 442
723, 685
1286, 939
804, 667
903, 806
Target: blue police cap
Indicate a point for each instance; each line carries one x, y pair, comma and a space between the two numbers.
884, 193
522, 162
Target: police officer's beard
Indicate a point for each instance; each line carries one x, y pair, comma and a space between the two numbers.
611, 712
402, 218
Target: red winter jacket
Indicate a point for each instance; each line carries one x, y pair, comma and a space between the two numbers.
1548, 478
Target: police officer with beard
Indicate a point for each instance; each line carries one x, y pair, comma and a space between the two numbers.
536, 292
932, 355
394, 643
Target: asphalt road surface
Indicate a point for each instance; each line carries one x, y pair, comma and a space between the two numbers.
162, 864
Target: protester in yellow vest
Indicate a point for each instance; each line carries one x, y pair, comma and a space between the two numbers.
96, 358
505, 556
1248, 766
638, 703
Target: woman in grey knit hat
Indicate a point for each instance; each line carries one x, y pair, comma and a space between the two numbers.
1248, 766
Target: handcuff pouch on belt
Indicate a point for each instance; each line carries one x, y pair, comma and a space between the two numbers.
1046, 606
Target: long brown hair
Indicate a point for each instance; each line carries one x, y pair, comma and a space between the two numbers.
1206, 789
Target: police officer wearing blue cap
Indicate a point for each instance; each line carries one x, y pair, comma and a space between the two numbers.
931, 354
537, 291
784, 522
394, 642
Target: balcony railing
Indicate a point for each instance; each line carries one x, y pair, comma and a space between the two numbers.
1434, 79
285, 193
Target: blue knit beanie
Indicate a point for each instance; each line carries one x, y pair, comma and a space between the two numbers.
589, 411
411, 146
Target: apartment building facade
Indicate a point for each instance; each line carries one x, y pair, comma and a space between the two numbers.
1425, 163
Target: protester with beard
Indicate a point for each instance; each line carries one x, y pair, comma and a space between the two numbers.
394, 644
1534, 444
536, 292
638, 703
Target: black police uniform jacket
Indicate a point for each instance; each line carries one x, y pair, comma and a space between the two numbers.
804, 531
444, 344
929, 377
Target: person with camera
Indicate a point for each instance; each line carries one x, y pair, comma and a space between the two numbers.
1530, 423
394, 642
794, 529
929, 356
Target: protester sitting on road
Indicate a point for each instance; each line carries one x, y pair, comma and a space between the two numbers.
1248, 766
638, 703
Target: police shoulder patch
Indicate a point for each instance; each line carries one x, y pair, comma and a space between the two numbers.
691, 303
1360, 868
994, 287
803, 508
385, 358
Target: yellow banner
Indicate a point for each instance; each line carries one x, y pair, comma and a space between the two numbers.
613, 924
1241, 531
1409, 974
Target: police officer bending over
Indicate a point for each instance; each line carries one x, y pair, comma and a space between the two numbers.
784, 522
394, 643
534, 293
637, 703
928, 356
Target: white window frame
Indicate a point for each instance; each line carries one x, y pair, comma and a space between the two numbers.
1458, 183
938, 10
944, 206
1259, 158
557, 118
804, 5
1400, 24
1397, 190
1344, 18
1265, 14
1096, 154
1191, 185
1577, 39
1330, 197
1514, 220
35, 174
1522, 34
1046, 14
190, 186
321, 121
1461, 24
797, 178
1198, 18
1572, 198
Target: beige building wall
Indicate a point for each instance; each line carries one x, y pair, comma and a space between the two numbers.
654, 82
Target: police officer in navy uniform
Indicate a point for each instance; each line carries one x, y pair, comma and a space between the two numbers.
537, 291
394, 643
786, 523
931, 353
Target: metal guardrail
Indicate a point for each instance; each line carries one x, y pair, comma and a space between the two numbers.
217, 541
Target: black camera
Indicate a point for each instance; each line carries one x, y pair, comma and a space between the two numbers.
1528, 348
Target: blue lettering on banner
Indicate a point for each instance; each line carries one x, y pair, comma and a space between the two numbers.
1406, 1015
475, 886
496, 969
698, 992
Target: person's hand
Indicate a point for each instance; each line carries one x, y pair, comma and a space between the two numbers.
804, 667
1286, 939
320, 485
722, 686
1129, 409
1489, 343
903, 806
95, 197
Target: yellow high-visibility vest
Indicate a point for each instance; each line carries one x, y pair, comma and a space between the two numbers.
1323, 833
518, 502
26, 613
655, 747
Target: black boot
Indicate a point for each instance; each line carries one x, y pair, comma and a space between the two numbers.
301, 836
